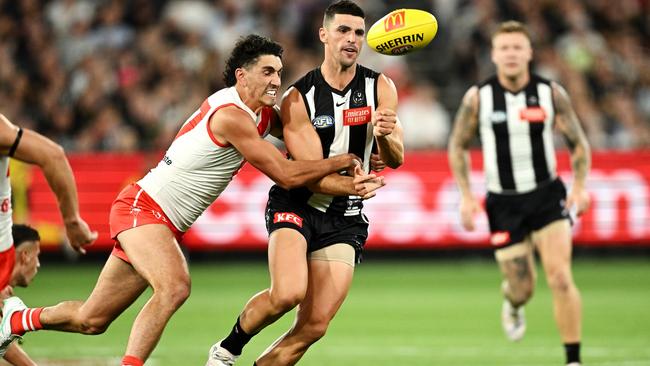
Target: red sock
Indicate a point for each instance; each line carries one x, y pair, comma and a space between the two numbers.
132, 361
27, 320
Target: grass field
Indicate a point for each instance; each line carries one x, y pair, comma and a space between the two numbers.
398, 313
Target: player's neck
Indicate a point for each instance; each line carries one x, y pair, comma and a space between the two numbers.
514, 83
13, 280
337, 76
250, 101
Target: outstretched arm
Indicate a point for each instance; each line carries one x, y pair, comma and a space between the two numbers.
567, 121
303, 143
17, 357
36, 149
235, 127
387, 127
465, 127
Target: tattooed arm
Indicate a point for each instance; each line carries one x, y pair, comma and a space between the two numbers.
568, 123
465, 127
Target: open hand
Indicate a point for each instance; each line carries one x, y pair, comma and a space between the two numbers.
366, 185
580, 198
469, 206
79, 234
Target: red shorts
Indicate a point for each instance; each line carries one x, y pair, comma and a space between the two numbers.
133, 207
7, 261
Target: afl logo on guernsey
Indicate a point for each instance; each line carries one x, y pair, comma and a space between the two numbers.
323, 121
498, 117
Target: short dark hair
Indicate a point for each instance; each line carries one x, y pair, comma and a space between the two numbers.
23, 233
246, 52
342, 7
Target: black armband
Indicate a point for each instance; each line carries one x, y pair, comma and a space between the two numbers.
13, 148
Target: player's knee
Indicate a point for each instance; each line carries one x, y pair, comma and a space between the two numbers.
559, 281
284, 301
93, 325
314, 331
176, 292
520, 294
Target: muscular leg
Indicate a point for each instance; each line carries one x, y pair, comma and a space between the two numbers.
117, 287
155, 255
518, 269
554, 246
288, 270
329, 282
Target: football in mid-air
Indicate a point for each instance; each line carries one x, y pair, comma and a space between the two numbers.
402, 31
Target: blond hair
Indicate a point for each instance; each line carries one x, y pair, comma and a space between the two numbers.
511, 26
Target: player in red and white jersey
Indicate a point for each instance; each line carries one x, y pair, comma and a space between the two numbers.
149, 217
198, 159
30, 147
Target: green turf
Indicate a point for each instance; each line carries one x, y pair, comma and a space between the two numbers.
398, 313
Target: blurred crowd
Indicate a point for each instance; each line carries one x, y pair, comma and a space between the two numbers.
123, 75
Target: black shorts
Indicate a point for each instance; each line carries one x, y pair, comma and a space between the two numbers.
320, 229
513, 217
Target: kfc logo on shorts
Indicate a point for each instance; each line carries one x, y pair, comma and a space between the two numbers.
500, 238
289, 217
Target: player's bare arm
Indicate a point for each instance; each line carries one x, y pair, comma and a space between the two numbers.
376, 164
16, 356
233, 126
303, 144
569, 124
387, 127
276, 124
36, 149
465, 128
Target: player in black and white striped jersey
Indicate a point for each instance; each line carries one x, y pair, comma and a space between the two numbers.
315, 238
514, 113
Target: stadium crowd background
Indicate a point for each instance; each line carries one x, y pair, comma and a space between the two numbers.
122, 75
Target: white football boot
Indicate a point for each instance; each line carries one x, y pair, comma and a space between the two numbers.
219, 356
11, 305
513, 321
573, 364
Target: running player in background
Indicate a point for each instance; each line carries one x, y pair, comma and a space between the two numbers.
30, 147
26, 244
315, 239
149, 217
527, 205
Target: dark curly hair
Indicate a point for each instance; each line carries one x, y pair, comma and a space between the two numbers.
246, 52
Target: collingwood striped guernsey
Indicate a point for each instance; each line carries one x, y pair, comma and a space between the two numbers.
516, 131
342, 120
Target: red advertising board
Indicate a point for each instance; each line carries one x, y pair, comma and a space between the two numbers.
416, 209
